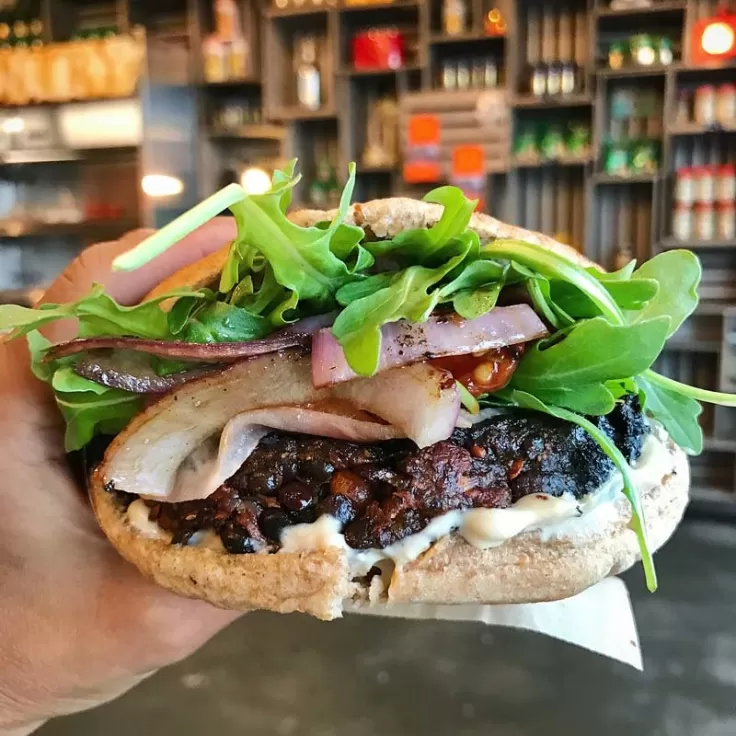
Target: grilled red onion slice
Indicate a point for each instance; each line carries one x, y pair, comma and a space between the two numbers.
420, 402
132, 372
404, 343
218, 352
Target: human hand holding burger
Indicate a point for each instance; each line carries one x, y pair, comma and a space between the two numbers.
78, 624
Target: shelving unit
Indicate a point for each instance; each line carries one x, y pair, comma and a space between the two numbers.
575, 198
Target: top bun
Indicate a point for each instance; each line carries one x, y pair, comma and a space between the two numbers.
384, 218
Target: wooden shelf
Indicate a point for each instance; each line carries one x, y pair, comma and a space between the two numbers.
698, 129
518, 163
655, 9
693, 346
296, 113
469, 37
719, 444
669, 243
91, 230
386, 170
233, 83
580, 99
655, 70
350, 72
632, 179
257, 132
295, 12
368, 7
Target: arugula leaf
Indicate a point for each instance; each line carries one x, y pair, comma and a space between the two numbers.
358, 289
678, 274
594, 399
638, 524
409, 295
66, 380
37, 347
420, 246
678, 414
472, 303
301, 257
629, 295
593, 352
87, 413
98, 314
623, 274
221, 322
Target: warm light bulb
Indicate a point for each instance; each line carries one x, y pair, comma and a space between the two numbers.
255, 181
717, 39
10, 126
162, 185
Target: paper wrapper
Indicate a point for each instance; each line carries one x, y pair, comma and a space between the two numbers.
599, 619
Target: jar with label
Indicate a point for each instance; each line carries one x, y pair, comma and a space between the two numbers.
705, 184
726, 183
726, 221
682, 223
215, 67
705, 221
726, 104
705, 104
685, 186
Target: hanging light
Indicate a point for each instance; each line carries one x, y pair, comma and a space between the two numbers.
255, 180
714, 39
161, 185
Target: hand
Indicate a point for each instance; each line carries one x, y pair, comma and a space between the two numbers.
78, 624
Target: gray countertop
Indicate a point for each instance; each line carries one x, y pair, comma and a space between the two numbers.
285, 675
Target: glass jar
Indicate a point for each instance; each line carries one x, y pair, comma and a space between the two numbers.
705, 221
705, 104
685, 186
683, 222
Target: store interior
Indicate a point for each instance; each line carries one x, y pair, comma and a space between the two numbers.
607, 124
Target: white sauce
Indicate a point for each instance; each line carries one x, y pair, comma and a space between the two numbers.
138, 518
483, 528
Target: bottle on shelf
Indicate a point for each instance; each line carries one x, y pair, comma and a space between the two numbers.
454, 17
550, 58
308, 77
568, 71
536, 71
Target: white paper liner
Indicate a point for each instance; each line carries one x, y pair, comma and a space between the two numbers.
599, 619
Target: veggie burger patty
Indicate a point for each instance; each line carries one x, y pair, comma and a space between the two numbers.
386, 491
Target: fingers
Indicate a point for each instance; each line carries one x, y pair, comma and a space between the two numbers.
95, 264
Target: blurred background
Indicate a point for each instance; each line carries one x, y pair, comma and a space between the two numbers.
609, 124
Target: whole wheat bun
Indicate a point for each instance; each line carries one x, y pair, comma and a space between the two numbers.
525, 569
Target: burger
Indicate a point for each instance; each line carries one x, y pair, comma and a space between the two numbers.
395, 401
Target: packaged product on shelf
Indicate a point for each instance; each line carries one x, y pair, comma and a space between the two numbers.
664, 51
705, 184
616, 55
552, 143
59, 85
644, 156
449, 75
705, 221
215, 59
578, 141
685, 186
227, 20
726, 183
616, 162
454, 16
463, 75
478, 74
494, 23
725, 222
308, 77
238, 58
682, 111
683, 222
490, 74
705, 104
641, 47
525, 145
726, 104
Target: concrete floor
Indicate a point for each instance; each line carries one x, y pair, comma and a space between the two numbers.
291, 675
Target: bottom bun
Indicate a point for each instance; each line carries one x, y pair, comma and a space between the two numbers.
526, 569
